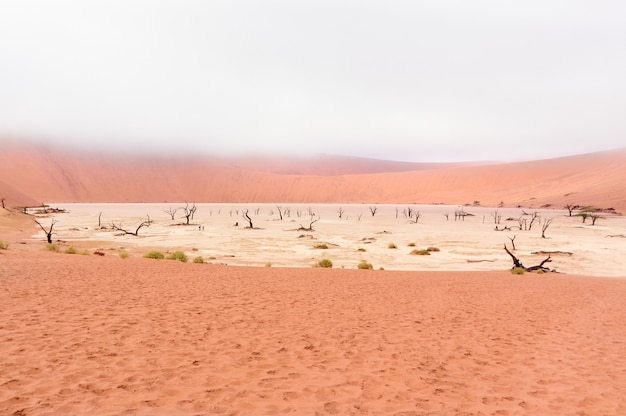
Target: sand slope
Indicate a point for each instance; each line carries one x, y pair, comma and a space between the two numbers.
56, 175
106, 336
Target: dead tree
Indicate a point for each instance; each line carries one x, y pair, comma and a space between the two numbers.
189, 212
512, 242
373, 209
518, 263
310, 227
247, 218
496, 217
48, 232
340, 211
171, 212
100, 220
570, 208
3, 201
447, 215
533, 217
136, 232
415, 216
280, 211
545, 223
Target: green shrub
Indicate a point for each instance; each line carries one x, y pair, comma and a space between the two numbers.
322, 246
70, 250
420, 252
198, 260
518, 270
123, 254
154, 255
3, 245
432, 249
52, 247
324, 263
365, 265
540, 271
85, 252
392, 245
178, 255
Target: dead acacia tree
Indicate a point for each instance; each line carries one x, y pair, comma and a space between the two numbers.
311, 222
373, 209
415, 216
545, 223
496, 217
48, 232
512, 241
189, 212
171, 212
340, 211
518, 263
3, 201
570, 208
136, 232
247, 218
280, 211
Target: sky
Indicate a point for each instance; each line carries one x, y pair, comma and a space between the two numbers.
440, 80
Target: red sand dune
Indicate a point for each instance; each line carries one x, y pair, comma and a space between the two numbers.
106, 336
31, 174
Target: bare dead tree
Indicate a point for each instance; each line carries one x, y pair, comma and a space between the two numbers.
518, 263
373, 209
189, 212
136, 232
247, 218
545, 223
280, 211
533, 217
310, 227
100, 220
3, 201
396, 212
570, 208
447, 215
512, 242
311, 213
256, 211
340, 211
171, 212
496, 216
359, 216
415, 216
48, 232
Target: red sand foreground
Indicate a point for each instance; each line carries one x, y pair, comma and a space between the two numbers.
110, 336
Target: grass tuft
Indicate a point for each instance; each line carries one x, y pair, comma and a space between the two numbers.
365, 265
420, 252
325, 263
154, 255
198, 260
178, 255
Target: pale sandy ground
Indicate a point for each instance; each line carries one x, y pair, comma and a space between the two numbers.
471, 244
84, 334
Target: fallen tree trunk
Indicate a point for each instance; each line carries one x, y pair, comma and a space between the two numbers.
540, 266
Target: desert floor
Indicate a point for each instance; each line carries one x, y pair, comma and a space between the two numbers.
103, 335
469, 244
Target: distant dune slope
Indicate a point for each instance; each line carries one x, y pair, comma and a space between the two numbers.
31, 174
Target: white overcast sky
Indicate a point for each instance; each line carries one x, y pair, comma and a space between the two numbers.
432, 80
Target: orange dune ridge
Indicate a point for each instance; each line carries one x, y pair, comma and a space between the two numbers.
107, 336
30, 175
